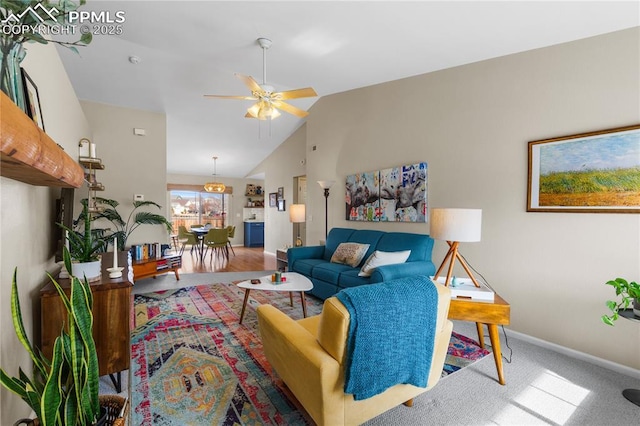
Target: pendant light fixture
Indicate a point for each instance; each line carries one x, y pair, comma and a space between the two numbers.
217, 187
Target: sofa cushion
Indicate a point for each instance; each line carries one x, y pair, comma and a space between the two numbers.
329, 272
366, 236
350, 254
335, 237
420, 245
350, 278
381, 258
305, 266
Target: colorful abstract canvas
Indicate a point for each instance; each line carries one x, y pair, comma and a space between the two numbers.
362, 196
396, 194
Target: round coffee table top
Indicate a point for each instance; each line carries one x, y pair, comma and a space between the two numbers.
294, 282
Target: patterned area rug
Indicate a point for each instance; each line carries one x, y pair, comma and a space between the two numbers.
193, 364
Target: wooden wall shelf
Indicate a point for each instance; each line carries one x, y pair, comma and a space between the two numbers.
29, 155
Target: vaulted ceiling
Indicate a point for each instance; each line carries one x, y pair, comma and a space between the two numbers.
190, 48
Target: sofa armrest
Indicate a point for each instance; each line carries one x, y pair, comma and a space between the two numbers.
401, 270
308, 370
309, 252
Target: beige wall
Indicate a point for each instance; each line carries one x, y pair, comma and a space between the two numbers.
471, 124
133, 164
27, 216
238, 199
285, 163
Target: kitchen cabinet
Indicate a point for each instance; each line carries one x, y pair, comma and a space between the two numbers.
254, 234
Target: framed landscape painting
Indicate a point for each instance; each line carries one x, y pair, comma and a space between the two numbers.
597, 172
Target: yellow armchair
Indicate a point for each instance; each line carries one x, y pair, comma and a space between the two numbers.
309, 355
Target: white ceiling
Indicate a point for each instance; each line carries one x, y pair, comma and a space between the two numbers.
188, 49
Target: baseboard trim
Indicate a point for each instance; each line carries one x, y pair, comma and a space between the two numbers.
619, 368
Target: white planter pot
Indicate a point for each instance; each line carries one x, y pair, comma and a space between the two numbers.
91, 270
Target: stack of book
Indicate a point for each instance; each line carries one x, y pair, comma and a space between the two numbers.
466, 289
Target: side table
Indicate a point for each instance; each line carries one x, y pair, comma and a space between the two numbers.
111, 316
492, 314
282, 261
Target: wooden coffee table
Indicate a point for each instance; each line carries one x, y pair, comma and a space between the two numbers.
492, 314
294, 283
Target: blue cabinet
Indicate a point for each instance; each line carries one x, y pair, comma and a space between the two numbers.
254, 234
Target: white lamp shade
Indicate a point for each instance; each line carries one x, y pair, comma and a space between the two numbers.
326, 184
297, 213
463, 225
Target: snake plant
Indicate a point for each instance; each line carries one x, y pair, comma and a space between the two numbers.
63, 390
85, 246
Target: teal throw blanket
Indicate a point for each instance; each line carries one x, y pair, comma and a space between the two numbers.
391, 334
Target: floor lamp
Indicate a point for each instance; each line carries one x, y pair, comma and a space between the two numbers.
297, 213
455, 226
326, 185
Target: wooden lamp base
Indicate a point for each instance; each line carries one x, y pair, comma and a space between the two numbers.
452, 255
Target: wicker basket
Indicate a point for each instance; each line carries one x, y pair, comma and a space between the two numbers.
114, 404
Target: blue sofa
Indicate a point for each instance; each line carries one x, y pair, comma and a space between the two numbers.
329, 278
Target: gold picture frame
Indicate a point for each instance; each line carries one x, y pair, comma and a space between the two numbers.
595, 172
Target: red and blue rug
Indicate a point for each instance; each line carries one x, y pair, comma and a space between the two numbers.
193, 364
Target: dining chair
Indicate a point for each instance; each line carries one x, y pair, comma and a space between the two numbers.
231, 231
216, 239
185, 237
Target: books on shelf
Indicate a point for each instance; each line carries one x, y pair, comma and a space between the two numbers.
149, 251
146, 251
466, 289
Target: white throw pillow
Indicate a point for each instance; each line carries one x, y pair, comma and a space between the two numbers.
381, 258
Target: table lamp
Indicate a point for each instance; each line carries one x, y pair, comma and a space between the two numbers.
455, 226
297, 213
326, 185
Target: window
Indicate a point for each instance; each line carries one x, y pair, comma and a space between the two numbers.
190, 208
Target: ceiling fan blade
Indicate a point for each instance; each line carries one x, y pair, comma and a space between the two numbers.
290, 109
250, 83
307, 92
246, 98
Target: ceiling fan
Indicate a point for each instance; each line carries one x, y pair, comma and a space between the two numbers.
268, 103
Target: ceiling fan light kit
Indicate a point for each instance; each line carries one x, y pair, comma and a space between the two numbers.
268, 102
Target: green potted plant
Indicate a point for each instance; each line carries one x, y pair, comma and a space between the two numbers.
125, 228
63, 390
85, 247
23, 21
629, 295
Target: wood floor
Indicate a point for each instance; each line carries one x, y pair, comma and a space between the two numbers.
245, 259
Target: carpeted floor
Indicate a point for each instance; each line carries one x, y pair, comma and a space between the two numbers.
544, 387
192, 363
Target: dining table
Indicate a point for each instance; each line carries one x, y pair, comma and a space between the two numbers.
199, 232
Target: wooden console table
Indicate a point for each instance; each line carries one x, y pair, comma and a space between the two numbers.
111, 317
492, 314
152, 267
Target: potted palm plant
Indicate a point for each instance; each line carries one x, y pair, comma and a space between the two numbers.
136, 218
629, 295
63, 390
85, 246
